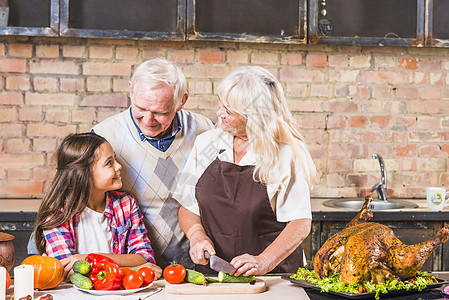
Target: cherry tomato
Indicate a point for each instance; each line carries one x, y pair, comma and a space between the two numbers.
132, 280
174, 273
147, 274
125, 270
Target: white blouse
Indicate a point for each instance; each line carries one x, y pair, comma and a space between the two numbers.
93, 233
289, 198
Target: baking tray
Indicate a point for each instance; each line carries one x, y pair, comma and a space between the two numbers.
367, 295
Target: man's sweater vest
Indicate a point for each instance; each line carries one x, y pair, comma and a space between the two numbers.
150, 175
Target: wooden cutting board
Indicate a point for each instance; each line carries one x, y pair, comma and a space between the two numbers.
216, 288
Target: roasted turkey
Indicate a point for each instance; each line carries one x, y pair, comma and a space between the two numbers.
370, 252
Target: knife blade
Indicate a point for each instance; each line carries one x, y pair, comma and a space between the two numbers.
218, 264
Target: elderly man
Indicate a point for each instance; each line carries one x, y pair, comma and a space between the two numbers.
152, 140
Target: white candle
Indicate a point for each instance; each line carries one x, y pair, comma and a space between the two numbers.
23, 281
2, 283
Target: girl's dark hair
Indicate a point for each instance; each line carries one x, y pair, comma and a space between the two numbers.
69, 192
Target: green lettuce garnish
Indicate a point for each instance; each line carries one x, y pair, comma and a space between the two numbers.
332, 282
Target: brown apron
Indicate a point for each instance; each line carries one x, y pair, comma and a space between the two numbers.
237, 216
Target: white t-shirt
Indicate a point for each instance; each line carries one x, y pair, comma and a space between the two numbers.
93, 233
289, 199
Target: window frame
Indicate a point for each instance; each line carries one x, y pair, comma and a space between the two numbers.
51, 30
299, 38
178, 34
315, 38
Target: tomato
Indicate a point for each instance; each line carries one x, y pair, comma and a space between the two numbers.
125, 270
174, 273
147, 274
132, 280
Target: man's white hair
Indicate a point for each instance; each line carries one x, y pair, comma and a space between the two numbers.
158, 72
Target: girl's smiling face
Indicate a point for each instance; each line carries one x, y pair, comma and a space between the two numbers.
105, 171
231, 122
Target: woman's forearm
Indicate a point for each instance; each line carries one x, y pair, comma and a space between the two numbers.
287, 241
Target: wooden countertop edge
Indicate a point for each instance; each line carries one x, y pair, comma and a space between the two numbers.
16, 209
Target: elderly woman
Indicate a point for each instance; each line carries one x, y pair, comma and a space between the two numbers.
245, 189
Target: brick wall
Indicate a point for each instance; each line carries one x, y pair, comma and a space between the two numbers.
351, 102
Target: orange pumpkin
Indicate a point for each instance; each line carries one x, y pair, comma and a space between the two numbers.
48, 271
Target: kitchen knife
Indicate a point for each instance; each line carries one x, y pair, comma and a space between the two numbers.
218, 264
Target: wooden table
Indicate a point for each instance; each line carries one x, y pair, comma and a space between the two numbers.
277, 288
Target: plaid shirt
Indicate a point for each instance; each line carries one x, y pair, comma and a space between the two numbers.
125, 222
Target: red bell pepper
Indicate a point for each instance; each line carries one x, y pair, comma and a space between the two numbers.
94, 277
94, 271
110, 276
94, 258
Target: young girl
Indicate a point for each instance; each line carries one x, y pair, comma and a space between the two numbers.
82, 212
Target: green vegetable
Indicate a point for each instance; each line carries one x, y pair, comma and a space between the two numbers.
211, 280
226, 278
332, 282
82, 267
195, 277
81, 281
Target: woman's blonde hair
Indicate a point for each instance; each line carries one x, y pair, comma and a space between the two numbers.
256, 94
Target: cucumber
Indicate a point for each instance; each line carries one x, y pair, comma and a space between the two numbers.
195, 277
81, 281
226, 278
82, 267
211, 280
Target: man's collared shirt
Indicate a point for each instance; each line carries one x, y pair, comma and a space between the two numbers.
163, 143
